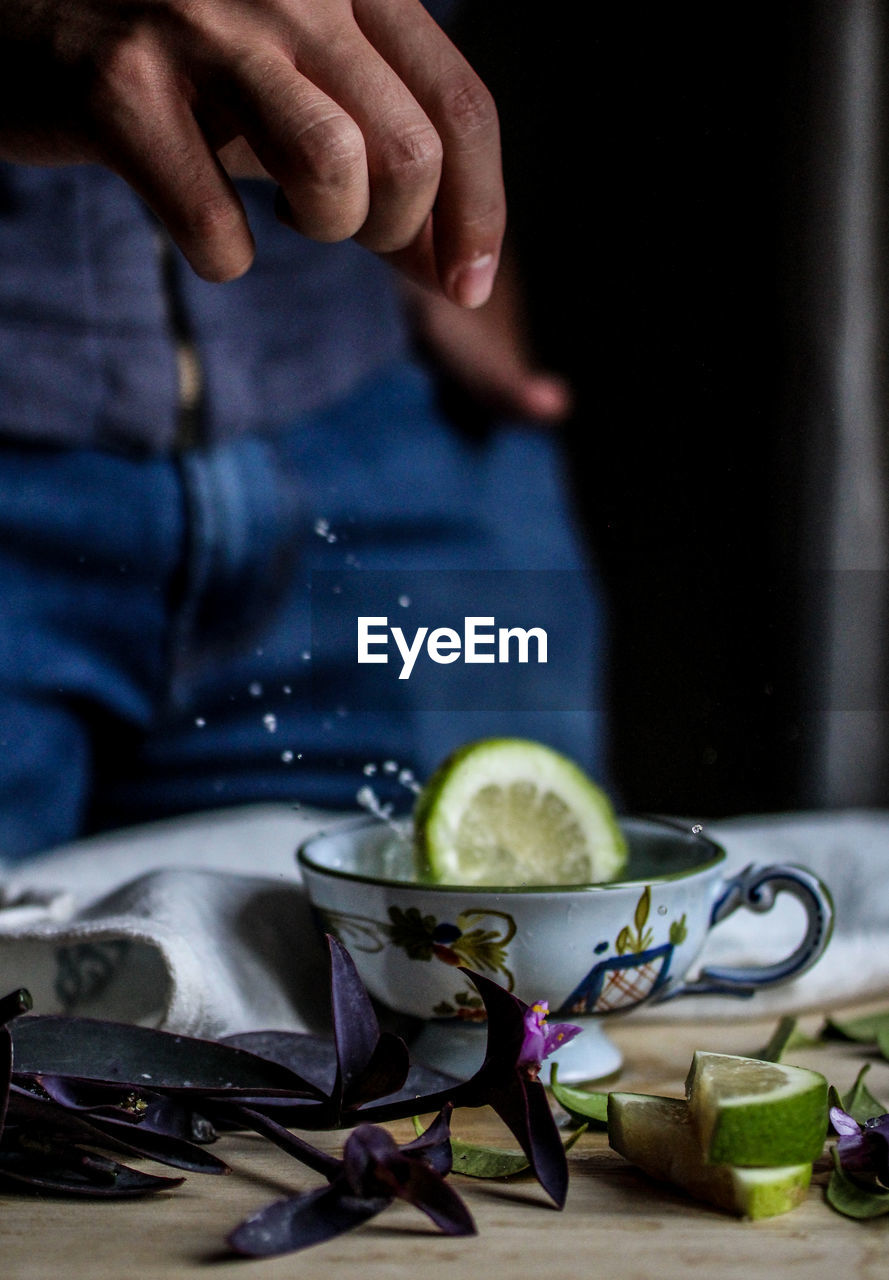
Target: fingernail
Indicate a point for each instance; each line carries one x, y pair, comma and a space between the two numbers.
471, 285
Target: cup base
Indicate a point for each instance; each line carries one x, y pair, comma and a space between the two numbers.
459, 1049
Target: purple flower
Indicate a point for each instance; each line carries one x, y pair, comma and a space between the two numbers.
862, 1149
542, 1039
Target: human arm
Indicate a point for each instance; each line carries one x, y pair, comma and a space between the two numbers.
364, 114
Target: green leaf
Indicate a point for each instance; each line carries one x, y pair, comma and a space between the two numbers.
883, 1041
486, 1162
582, 1106
778, 1041
852, 1199
478, 1161
859, 1102
784, 1039
865, 1030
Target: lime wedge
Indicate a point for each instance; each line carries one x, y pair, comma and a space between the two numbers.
506, 811
749, 1112
658, 1136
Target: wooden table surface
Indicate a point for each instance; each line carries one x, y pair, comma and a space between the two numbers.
615, 1224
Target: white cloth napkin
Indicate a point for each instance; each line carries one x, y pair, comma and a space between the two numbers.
201, 925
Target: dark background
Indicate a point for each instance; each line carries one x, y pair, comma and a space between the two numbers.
654, 174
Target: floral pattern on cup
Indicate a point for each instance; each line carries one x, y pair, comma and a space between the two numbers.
634, 973
478, 939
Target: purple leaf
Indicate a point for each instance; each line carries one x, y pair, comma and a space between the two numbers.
320, 1161
427, 1191
41, 1115
314, 1057
5, 1073
434, 1144
151, 1111
876, 1138
163, 1147
374, 1165
505, 1084
369, 1065
519, 1099
90, 1049
384, 1074
87, 1176
14, 1005
355, 1027
287, 1225
373, 1172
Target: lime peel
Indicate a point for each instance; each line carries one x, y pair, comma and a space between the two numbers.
749, 1112
658, 1136
509, 811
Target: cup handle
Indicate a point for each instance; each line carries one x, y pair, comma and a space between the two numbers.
756, 888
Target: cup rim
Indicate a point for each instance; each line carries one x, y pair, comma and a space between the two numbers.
716, 856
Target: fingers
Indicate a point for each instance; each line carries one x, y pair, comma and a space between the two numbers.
308, 143
374, 128
151, 138
353, 151
470, 207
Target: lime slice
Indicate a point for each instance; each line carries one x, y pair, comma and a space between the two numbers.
506, 811
657, 1135
749, 1112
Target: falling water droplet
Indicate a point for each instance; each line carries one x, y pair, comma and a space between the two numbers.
287, 756
390, 766
369, 770
404, 601
200, 721
368, 799
271, 722
255, 689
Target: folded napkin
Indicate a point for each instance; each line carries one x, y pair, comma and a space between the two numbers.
201, 925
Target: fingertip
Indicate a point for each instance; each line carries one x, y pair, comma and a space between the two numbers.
548, 398
223, 262
470, 284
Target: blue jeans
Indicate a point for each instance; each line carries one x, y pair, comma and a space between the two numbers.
156, 643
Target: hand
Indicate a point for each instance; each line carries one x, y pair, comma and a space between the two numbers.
487, 351
363, 112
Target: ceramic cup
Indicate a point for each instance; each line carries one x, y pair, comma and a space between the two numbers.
590, 951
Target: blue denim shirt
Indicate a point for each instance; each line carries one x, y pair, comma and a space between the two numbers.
92, 296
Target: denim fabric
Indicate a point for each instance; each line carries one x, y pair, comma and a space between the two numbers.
92, 303
155, 634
